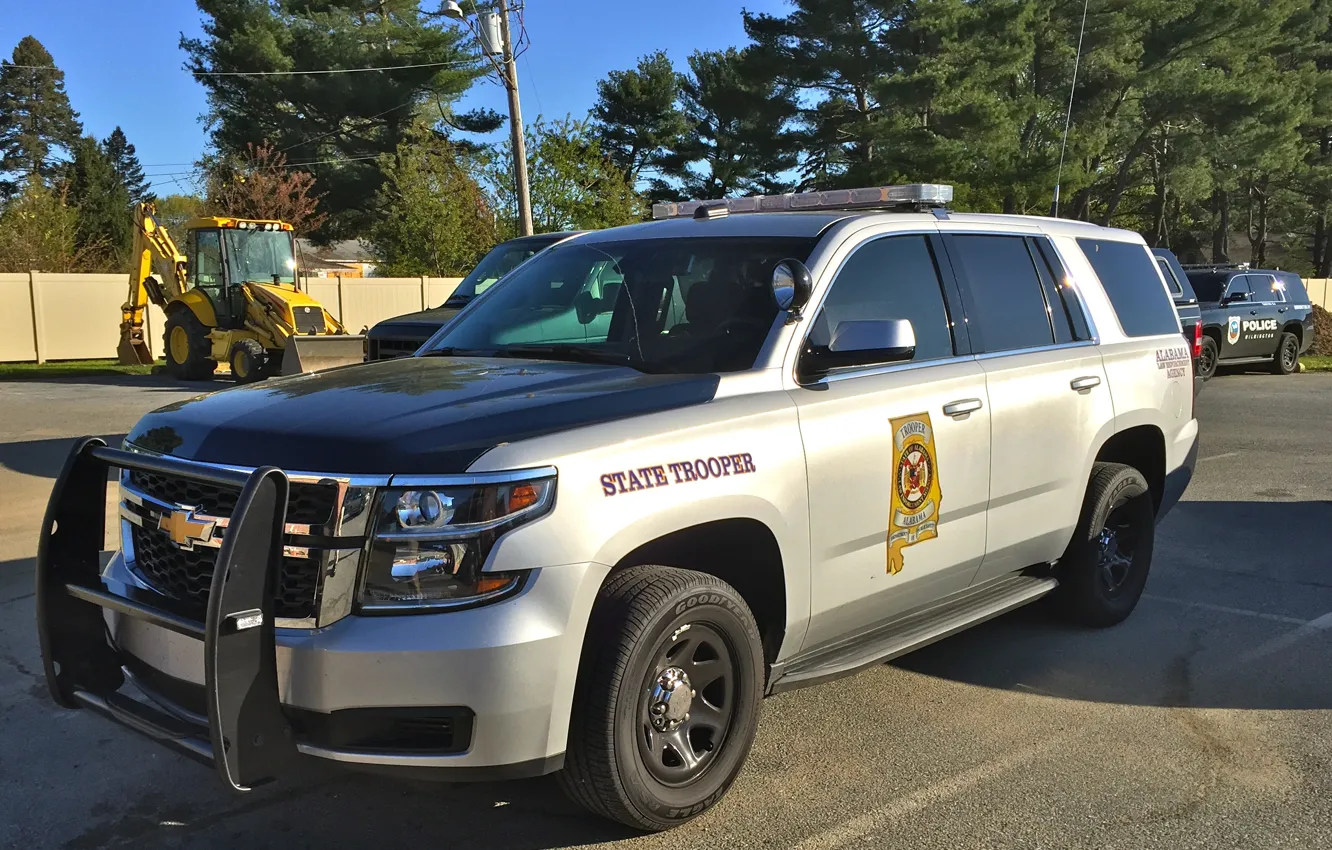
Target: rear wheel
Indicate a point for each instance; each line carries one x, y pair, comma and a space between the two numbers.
1207, 358
248, 361
1104, 570
188, 349
668, 696
1287, 359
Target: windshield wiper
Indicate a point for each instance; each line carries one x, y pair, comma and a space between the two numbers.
459, 352
569, 353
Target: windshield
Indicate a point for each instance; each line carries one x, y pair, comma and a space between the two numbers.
501, 260
658, 305
1208, 286
263, 256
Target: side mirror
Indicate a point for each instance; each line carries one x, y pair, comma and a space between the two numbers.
1232, 297
791, 285
862, 343
878, 341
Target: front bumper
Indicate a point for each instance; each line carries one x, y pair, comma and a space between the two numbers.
251, 699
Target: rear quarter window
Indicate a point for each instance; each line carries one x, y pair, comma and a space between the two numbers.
1295, 291
1131, 280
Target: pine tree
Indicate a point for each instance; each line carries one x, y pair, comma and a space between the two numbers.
125, 161
339, 126
36, 120
735, 142
637, 116
102, 202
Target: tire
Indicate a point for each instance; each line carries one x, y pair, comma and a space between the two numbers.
249, 361
188, 349
1207, 359
649, 622
1100, 584
1286, 361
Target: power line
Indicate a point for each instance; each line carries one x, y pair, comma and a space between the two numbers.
288, 165
453, 64
331, 70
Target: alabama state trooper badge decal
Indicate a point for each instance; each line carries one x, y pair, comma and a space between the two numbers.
914, 510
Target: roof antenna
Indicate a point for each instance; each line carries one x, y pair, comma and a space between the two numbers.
1068, 115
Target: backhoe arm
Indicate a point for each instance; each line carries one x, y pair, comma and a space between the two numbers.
150, 240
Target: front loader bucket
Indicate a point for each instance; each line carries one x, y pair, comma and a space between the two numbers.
313, 353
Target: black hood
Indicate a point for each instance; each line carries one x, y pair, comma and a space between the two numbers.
414, 326
412, 415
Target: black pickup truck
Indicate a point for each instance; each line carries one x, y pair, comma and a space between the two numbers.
1251, 316
1186, 303
400, 336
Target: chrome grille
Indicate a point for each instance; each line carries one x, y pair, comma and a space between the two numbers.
387, 349
186, 575
307, 504
314, 585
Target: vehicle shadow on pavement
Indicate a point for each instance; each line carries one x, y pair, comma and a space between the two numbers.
1228, 620
43, 458
143, 383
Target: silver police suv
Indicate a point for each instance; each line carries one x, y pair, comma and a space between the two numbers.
655, 474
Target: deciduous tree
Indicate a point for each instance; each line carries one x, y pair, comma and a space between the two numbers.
258, 184
433, 217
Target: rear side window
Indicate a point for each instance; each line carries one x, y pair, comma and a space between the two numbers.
1169, 275
1134, 286
1005, 292
1294, 288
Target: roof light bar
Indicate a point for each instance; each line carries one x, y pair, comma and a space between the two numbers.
915, 195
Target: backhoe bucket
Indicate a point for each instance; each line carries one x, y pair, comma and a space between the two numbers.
314, 353
133, 349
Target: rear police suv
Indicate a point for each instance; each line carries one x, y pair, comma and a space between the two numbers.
1252, 316
653, 475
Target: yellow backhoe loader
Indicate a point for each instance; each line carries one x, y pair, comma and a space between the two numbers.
231, 298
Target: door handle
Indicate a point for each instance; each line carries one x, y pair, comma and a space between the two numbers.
963, 407
1086, 382
1282, 309
1253, 312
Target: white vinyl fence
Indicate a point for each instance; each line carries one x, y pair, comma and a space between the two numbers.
77, 316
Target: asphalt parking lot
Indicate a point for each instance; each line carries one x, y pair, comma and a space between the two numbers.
1203, 721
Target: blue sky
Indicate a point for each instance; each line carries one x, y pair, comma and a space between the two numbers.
125, 67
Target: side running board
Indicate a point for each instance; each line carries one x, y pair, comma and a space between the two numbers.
912, 631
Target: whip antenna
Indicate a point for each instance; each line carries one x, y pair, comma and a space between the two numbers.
1068, 115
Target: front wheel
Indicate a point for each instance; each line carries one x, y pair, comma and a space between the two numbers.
1287, 358
668, 697
1207, 358
249, 361
1103, 571
188, 349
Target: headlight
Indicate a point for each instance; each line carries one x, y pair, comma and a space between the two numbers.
429, 543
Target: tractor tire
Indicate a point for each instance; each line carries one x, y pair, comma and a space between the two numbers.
188, 349
249, 361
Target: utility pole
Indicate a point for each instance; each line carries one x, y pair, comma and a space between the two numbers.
515, 124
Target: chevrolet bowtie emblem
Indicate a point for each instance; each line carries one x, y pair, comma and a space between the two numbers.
184, 530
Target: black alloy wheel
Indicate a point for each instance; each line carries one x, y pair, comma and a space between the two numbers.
1207, 358
1287, 360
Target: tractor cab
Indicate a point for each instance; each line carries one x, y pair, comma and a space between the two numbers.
226, 253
